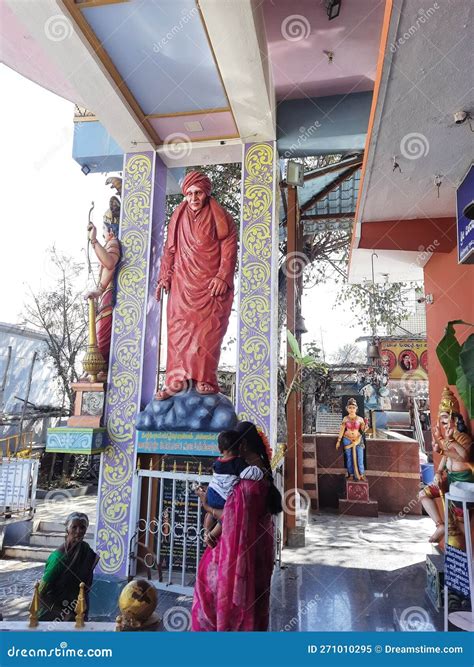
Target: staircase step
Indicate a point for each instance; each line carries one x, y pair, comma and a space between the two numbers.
52, 540
57, 527
40, 554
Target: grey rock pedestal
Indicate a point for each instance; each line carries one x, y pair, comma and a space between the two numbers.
188, 411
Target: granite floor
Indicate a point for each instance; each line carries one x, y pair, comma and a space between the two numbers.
353, 574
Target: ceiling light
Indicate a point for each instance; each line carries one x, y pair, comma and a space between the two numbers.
333, 7
193, 126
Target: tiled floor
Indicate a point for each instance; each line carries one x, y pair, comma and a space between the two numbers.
353, 574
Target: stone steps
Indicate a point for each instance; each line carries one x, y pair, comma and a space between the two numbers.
28, 553
45, 538
52, 540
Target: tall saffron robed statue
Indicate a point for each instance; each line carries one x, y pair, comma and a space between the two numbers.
197, 271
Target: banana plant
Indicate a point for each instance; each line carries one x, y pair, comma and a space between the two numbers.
302, 362
458, 363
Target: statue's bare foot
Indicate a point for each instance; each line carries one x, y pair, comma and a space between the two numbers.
166, 392
206, 388
438, 534
101, 376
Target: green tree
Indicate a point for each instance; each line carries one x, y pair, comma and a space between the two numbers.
60, 312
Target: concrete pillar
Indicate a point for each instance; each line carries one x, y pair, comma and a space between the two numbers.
257, 362
132, 368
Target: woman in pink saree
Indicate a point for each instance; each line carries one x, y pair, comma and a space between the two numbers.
232, 590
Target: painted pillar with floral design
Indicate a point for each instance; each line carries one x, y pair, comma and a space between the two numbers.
132, 367
257, 342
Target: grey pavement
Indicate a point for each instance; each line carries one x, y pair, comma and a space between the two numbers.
353, 574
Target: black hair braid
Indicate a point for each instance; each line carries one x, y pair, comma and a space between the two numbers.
274, 502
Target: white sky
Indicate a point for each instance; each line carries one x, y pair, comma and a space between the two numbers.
46, 200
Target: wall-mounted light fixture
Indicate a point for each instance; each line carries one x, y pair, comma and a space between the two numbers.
295, 173
427, 298
333, 7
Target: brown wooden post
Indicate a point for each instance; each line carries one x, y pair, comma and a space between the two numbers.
291, 454
298, 395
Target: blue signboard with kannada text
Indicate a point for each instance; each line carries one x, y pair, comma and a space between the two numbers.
456, 575
465, 226
195, 443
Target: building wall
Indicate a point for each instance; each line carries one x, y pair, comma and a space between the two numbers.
452, 287
43, 387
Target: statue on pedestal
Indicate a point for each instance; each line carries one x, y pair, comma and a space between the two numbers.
197, 272
451, 440
351, 435
109, 256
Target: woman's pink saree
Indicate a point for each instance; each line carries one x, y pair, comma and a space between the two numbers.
233, 583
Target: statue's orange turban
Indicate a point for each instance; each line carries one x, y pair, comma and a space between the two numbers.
199, 179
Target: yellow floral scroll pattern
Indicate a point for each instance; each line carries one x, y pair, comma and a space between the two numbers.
123, 391
253, 399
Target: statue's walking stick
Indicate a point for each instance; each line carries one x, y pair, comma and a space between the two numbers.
158, 354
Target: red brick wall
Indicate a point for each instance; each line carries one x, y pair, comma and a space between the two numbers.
392, 471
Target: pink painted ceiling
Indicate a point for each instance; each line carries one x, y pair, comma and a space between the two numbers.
298, 33
20, 52
213, 125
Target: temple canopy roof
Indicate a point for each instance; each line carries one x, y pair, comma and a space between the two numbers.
414, 143
197, 80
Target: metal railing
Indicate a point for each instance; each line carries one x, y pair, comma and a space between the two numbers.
418, 428
168, 540
18, 479
19, 445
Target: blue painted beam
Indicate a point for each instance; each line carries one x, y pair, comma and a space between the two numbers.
323, 125
95, 148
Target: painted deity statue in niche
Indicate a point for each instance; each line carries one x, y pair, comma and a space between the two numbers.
453, 442
197, 273
108, 256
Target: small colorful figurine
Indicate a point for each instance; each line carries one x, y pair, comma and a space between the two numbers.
350, 434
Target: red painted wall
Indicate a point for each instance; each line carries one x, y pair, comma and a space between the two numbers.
452, 287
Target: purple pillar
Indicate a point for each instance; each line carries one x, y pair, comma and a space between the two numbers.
133, 357
257, 361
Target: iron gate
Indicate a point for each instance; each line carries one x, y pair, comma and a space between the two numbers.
168, 538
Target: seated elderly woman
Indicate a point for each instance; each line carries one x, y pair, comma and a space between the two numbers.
65, 569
